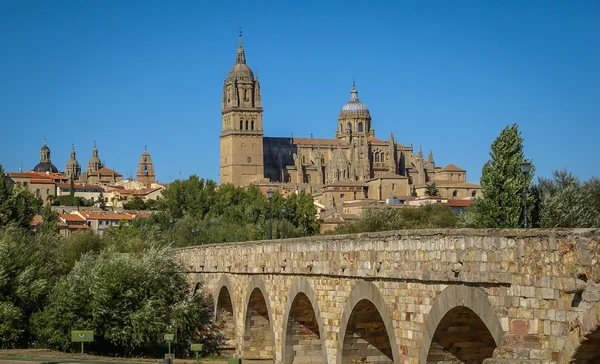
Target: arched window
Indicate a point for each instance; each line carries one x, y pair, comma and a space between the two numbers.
241, 125
349, 127
376, 156
246, 124
454, 193
381, 158
360, 127
474, 194
252, 125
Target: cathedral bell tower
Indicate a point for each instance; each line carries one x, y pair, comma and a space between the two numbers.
241, 158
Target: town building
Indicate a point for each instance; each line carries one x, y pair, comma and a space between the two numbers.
353, 165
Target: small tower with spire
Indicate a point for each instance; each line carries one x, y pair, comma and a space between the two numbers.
145, 171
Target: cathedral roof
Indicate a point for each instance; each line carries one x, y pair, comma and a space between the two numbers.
45, 167
316, 141
452, 167
354, 105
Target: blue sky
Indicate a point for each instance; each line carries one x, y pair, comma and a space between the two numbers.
446, 75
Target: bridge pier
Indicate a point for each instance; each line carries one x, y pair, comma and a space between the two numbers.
456, 296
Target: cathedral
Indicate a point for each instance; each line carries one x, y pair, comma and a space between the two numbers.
353, 165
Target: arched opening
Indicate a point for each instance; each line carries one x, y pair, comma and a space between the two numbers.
225, 319
303, 339
461, 337
246, 124
258, 334
376, 156
589, 351
474, 194
382, 159
350, 127
241, 125
454, 193
366, 339
360, 127
252, 125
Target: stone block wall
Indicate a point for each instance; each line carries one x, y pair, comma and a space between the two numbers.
526, 296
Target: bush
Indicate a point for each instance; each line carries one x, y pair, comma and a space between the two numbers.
130, 301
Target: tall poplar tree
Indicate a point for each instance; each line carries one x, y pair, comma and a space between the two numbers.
502, 184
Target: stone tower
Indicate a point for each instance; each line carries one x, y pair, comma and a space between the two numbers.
145, 171
73, 169
45, 164
94, 164
241, 157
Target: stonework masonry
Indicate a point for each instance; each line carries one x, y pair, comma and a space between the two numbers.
428, 296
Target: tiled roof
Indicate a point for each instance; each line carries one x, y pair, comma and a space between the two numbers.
375, 140
459, 203
71, 218
68, 185
106, 172
446, 183
452, 167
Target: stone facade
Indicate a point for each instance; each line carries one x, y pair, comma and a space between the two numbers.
430, 296
355, 160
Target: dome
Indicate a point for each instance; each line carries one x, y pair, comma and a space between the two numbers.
45, 167
45, 148
354, 105
241, 71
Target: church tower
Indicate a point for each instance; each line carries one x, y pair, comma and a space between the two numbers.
241, 158
145, 171
73, 169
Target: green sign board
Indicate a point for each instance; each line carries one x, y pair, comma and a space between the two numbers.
82, 336
169, 337
196, 347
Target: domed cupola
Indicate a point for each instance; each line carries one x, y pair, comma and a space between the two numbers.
355, 118
354, 106
45, 164
240, 70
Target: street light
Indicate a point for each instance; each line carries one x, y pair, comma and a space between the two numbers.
525, 167
171, 221
283, 222
270, 196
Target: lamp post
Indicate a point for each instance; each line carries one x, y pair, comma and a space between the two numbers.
283, 222
171, 221
525, 167
270, 196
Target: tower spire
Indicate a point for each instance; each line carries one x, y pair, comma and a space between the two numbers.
240, 55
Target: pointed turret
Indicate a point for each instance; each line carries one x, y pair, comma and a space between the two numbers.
73, 169
430, 157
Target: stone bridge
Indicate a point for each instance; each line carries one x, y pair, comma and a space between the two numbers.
428, 296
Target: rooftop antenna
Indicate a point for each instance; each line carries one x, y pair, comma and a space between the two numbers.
21, 167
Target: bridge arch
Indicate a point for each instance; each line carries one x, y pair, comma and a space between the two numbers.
365, 299
461, 301
258, 339
581, 344
302, 314
224, 305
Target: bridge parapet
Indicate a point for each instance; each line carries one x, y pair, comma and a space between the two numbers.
540, 286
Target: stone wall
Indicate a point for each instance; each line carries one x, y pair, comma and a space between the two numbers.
505, 296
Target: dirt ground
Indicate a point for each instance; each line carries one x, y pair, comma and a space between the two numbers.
32, 356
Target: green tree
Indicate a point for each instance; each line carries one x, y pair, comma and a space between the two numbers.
29, 270
130, 301
431, 190
102, 201
565, 202
24, 206
502, 184
135, 204
413, 191
6, 193
50, 221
